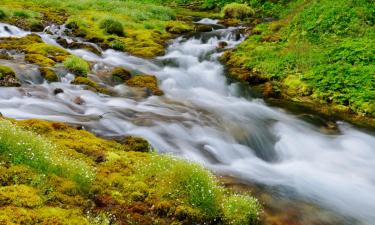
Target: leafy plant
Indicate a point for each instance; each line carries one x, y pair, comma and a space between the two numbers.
77, 65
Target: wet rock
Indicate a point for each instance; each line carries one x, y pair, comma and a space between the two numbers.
58, 91
89, 47
5, 55
8, 77
271, 89
148, 82
90, 85
121, 74
230, 22
48, 74
63, 42
222, 44
79, 101
203, 28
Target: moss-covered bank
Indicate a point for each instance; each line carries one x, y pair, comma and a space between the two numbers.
320, 54
54, 173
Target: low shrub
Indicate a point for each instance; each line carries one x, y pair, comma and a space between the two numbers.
237, 11
77, 65
112, 26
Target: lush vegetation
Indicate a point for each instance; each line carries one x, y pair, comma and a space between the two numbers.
77, 65
324, 50
53, 172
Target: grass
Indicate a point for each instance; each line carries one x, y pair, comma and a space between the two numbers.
77, 65
25, 148
325, 47
237, 11
42, 181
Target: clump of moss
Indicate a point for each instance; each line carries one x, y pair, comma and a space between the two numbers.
237, 11
8, 77
6, 71
120, 74
137, 144
145, 81
48, 74
112, 26
77, 65
177, 27
39, 60
20, 195
90, 84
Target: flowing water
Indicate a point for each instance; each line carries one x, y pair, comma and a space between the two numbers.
204, 118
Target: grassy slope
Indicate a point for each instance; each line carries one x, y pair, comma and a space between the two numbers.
54, 174
320, 51
143, 22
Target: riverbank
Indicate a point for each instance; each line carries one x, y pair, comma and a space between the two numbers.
53, 172
324, 63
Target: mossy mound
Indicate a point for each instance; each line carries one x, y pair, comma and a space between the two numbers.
133, 187
8, 77
91, 85
177, 27
145, 81
36, 51
120, 74
48, 74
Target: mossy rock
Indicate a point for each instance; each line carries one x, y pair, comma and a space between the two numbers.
6, 71
177, 27
91, 85
39, 60
8, 77
49, 74
137, 144
120, 74
146, 81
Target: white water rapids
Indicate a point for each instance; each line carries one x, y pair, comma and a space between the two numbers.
204, 119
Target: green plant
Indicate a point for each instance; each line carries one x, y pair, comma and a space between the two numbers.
25, 148
112, 26
238, 11
77, 65
22, 14
239, 210
2, 14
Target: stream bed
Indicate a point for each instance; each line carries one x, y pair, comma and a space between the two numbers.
301, 172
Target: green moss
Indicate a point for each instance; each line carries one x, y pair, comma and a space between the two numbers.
120, 74
145, 81
112, 26
90, 84
20, 196
49, 74
137, 144
6, 71
39, 60
177, 27
77, 65
237, 11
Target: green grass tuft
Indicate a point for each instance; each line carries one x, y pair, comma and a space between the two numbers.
25, 148
237, 11
112, 26
77, 65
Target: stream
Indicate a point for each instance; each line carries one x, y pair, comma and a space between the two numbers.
318, 176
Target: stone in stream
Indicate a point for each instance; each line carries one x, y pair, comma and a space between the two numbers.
222, 45
79, 101
149, 82
121, 74
8, 77
58, 91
